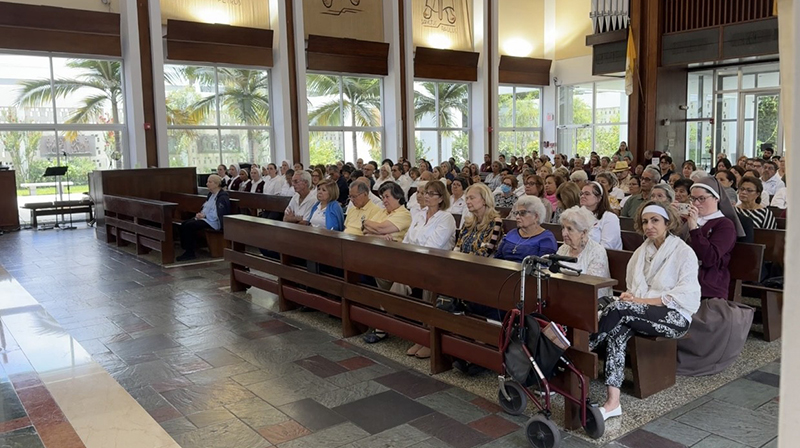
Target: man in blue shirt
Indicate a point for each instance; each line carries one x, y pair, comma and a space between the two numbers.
217, 205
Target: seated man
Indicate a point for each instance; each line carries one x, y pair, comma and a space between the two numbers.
363, 209
304, 198
217, 205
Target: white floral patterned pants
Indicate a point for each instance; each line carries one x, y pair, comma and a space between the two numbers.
621, 320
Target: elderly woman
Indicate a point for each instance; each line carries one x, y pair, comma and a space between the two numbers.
494, 179
384, 176
458, 206
720, 327
393, 222
576, 225
529, 238
662, 295
750, 189
634, 188
483, 226
663, 193
327, 213
434, 228
605, 230
568, 195
217, 205
506, 197
534, 186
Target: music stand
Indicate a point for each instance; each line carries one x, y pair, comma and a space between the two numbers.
57, 172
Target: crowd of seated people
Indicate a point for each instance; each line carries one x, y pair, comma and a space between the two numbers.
677, 281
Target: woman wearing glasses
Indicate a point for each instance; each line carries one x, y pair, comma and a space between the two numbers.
720, 327
576, 225
750, 189
506, 198
605, 230
534, 186
529, 238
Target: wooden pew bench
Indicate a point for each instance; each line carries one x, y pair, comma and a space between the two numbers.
59, 208
361, 306
252, 203
188, 205
146, 223
771, 298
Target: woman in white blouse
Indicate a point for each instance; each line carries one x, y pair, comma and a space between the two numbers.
434, 228
662, 295
606, 229
576, 224
385, 176
458, 205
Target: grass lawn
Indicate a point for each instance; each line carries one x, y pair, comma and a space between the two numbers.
52, 190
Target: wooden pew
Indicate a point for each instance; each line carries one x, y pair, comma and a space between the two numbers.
251, 203
626, 224
146, 223
771, 298
188, 205
465, 337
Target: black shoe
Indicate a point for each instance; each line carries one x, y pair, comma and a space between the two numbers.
374, 336
453, 306
187, 256
468, 368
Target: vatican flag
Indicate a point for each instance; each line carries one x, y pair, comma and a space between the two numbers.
630, 63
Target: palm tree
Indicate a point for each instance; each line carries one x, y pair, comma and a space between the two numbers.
102, 82
452, 98
361, 104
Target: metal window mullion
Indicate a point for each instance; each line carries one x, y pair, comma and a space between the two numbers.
219, 114
55, 110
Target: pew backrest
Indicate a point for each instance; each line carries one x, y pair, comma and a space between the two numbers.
775, 242
258, 201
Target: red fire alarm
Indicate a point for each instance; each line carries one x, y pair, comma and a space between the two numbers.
148, 126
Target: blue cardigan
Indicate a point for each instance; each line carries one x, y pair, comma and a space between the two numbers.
334, 218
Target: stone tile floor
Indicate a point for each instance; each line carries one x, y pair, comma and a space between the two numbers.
217, 370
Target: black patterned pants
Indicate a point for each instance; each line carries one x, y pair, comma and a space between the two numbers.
620, 321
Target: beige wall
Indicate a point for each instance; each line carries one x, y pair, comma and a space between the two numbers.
521, 23
89, 5
572, 27
248, 13
343, 19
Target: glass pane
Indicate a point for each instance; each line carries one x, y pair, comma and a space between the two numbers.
612, 102
362, 102
768, 118
771, 79
507, 141
728, 104
198, 148
700, 95
527, 142
453, 105
425, 104
748, 81
240, 145
575, 104
727, 138
528, 104
106, 149
505, 106
698, 142
88, 91
325, 147
455, 144
244, 96
572, 141
747, 141
24, 151
324, 107
25, 80
749, 107
190, 95
427, 146
729, 82
364, 145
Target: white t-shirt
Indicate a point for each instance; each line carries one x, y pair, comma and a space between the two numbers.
303, 208
438, 233
606, 231
458, 207
274, 185
779, 200
318, 218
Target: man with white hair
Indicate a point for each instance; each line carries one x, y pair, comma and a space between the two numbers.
299, 209
650, 177
580, 178
217, 205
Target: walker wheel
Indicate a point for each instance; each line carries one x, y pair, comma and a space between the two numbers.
595, 425
518, 402
543, 433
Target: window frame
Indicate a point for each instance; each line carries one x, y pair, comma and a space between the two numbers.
59, 128
343, 128
514, 128
438, 129
219, 127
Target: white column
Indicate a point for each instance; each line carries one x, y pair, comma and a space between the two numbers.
408, 128
135, 152
479, 115
393, 125
550, 93
281, 112
789, 422
159, 92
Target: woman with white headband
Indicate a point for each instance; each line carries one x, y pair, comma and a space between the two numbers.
606, 230
720, 327
662, 295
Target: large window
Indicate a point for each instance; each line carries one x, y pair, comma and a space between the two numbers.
345, 119
57, 110
592, 117
520, 120
441, 117
217, 115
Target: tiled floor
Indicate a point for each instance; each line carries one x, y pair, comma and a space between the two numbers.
215, 369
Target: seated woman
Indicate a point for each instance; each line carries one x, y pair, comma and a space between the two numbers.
615, 194
576, 225
720, 327
217, 205
529, 238
568, 195
384, 175
327, 213
240, 181
458, 186
483, 227
727, 180
506, 198
662, 295
551, 184
434, 228
534, 186
634, 188
222, 172
605, 230
751, 206
393, 222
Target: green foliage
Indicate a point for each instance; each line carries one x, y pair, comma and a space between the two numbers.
461, 148
768, 117
79, 168
323, 152
21, 145
420, 150
376, 154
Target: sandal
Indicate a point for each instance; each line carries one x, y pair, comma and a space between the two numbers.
414, 349
423, 353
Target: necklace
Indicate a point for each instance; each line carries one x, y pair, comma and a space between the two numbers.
524, 239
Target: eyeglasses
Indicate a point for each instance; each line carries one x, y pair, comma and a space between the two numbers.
586, 194
430, 193
748, 190
353, 196
647, 179
698, 199
531, 184
516, 213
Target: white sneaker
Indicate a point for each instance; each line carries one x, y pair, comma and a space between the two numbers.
612, 413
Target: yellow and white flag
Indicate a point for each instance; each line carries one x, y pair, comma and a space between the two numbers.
630, 63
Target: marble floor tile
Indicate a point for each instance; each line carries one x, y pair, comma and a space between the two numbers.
646, 439
229, 434
412, 384
10, 406
322, 367
753, 428
283, 432
745, 393
21, 438
332, 437
455, 434
453, 407
676, 431
257, 413
312, 415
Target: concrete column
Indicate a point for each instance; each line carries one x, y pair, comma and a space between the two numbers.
135, 151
